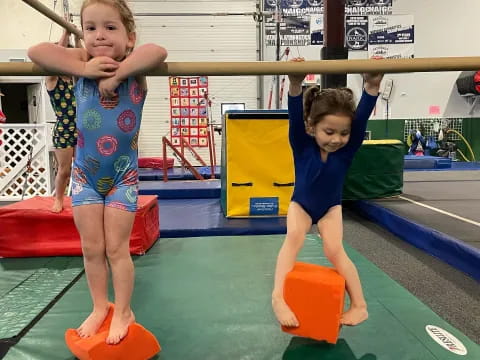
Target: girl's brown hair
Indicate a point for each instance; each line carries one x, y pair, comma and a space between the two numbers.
319, 103
121, 5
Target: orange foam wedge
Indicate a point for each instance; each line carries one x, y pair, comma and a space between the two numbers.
139, 344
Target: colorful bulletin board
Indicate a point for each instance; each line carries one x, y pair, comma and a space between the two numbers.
188, 110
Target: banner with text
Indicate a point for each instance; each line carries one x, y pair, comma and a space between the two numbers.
356, 32
392, 29
392, 51
391, 36
301, 19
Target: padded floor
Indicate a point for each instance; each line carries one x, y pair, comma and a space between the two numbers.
438, 212
204, 217
181, 189
426, 162
209, 298
27, 285
455, 192
456, 166
176, 173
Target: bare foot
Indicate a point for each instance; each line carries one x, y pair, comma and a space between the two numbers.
284, 315
354, 316
92, 323
119, 326
57, 206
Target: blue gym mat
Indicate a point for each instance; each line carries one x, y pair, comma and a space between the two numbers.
453, 251
176, 173
179, 189
192, 209
204, 217
456, 165
426, 162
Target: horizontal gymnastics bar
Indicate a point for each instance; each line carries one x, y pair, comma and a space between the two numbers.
277, 68
52, 15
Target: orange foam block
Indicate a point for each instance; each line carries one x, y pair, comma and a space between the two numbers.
139, 344
316, 296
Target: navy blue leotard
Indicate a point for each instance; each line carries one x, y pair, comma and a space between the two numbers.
318, 184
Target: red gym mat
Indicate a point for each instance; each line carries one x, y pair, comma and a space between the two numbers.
28, 228
154, 162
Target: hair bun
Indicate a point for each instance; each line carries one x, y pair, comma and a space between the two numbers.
312, 92
346, 90
320, 102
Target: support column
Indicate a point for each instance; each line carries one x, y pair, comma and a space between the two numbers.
334, 40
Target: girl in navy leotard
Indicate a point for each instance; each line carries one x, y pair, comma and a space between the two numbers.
325, 132
110, 95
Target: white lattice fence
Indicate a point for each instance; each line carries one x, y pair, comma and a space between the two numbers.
17, 180
432, 126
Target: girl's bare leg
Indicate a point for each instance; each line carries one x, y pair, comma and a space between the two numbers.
89, 222
118, 227
298, 225
330, 228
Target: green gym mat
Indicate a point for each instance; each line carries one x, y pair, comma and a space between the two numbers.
28, 285
209, 298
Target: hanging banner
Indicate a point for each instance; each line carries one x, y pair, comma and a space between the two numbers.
295, 22
308, 7
392, 29
188, 110
356, 32
294, 31
316, 29
368, 7
392, 51
301, 21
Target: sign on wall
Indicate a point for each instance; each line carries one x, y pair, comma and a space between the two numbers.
294, 23
188, 110
392, 29
356, 32
391, 36
301, 22
316, 29
368, 7
399, 51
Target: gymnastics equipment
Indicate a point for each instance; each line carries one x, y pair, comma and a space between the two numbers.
376, 171
264, 67
139, 344
257, 163
182, 158
52, 15
55, 234
316, 295
235, 68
